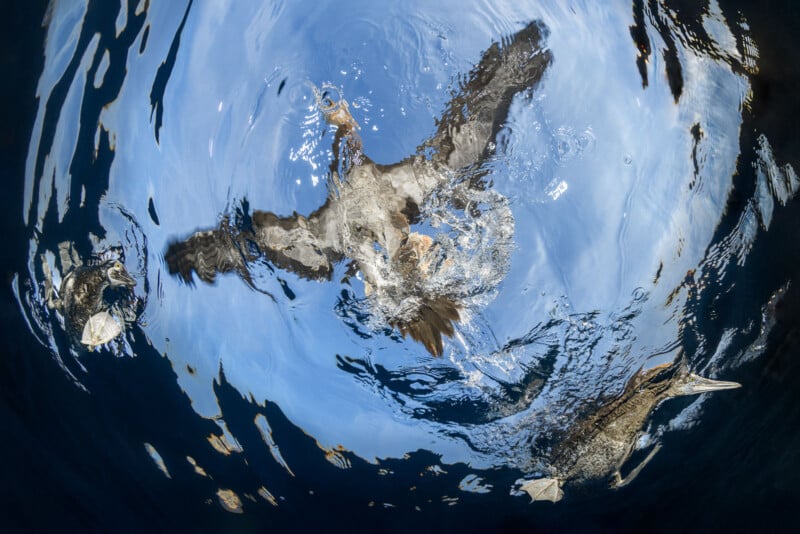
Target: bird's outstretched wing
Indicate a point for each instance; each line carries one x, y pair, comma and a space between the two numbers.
206, 253
297, 243
477, 111
288, 242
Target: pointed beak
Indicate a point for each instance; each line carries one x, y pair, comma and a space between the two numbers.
694, 385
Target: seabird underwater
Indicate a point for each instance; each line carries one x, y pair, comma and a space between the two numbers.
413, 282
81, 297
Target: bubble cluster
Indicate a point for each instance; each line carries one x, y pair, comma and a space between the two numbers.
566, 145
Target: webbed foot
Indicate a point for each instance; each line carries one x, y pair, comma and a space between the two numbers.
100, 329
544, 489
334, 107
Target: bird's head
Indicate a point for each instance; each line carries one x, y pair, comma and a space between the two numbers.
117, 275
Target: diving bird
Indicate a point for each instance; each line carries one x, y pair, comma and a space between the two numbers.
81, 299
597, 446
370, 207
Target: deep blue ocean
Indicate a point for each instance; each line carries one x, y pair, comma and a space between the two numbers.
650, 177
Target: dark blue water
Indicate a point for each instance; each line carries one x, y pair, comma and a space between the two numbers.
77, 422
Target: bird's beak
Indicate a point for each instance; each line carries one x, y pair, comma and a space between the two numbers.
694, 384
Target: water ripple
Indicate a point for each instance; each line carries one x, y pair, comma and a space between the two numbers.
598, 239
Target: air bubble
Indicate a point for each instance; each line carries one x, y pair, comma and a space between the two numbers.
586, 141
565, 145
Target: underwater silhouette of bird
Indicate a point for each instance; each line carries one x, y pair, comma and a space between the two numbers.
598, 445
370, 208
81, 299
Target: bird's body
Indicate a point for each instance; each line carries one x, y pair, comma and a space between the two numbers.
598, 445
82, 293
370, 208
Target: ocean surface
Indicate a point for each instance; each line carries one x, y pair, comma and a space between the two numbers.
648, 191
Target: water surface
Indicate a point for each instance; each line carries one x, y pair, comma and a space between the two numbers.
640, 185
